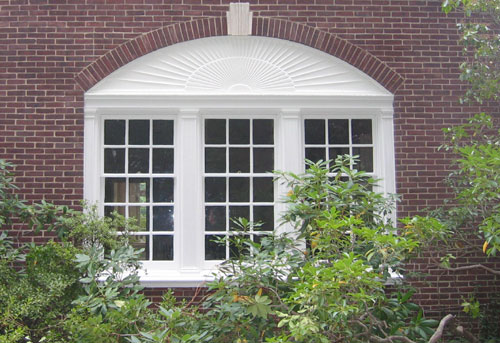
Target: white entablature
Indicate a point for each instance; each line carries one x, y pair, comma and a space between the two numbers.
239, 65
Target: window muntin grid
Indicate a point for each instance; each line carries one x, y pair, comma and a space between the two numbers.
325, 139
138, 166
238, 156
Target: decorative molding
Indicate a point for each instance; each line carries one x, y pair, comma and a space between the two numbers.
239, 19
241, 65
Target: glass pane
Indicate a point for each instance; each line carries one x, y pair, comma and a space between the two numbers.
263, 189
265, 215
236, 212
163, 160
114, 190
214, 250
215, 218
239, 131
109, 210
338, 131
141, 215
215, 131
114, 132
236, 251
239, 160
163, 190
215, 189
163, 218
239, 189
141, 242
163, 248
365, 158
263, 160
335, 152
138, 160
361, 131
163, 132
114, 160
215, 160
315, 154
138, 132
263, 131
138, 190
315, 131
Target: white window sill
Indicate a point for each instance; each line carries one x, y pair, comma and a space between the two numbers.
172, 278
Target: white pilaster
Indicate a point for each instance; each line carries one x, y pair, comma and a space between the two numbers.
91, 153
188, 162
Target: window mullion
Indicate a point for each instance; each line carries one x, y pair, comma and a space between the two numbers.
188, 176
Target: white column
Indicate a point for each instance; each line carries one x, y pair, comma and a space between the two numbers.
91, 156
188, 191
387, 157
290, 154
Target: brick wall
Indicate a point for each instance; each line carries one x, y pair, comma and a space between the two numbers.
52, 51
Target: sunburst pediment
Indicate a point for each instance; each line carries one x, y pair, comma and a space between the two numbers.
238, 65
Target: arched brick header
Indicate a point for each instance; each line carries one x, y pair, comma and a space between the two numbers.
268, 27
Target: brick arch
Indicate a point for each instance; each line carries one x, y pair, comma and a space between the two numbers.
268, 27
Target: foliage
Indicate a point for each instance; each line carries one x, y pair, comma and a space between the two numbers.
481, 41
475, 180
324, 283
33, 301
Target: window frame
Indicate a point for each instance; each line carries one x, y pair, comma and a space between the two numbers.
188, 113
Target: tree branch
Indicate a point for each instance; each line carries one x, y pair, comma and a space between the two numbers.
460, 329
474, 266
439, 331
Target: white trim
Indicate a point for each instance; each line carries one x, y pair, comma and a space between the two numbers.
238, 65
239, 19
188, 108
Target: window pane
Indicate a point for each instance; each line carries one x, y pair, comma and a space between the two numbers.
215, 189
163, 190
163, 160
215, 218
163, 132
114, 160
315, 154
138, 132
335, 152
235, 251
138, 190
239, 131
263, 160
109, 210
263, 131
315, 131
239, 160
214, 250
236, 212
338, 131
138, 160
114, 190
365, 158
215, 131
114, 132
163, 248
239, 189
141, 215
163, 218
215, 160
263, 190
361, 131
141, 242
265, 215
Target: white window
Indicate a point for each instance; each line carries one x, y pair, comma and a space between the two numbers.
185, 138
